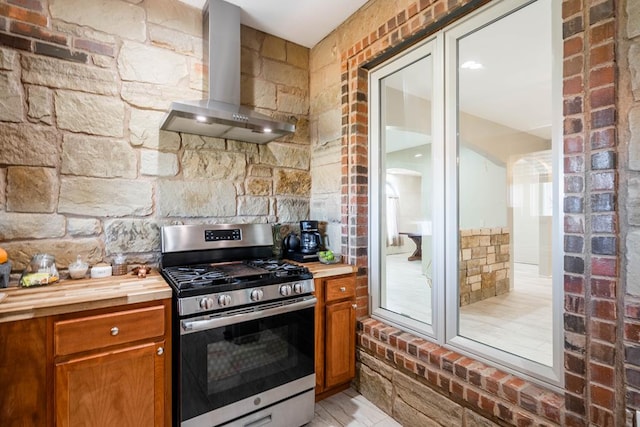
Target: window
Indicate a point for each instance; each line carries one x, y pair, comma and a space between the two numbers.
465, 145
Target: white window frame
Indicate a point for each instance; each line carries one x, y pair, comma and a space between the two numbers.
444, 327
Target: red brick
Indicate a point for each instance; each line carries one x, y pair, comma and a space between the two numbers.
435, 356
604, 267
472, 396
571, 7
602, 33
495, 380
574, 304
449, 359
457, 388
603, 331
574, 420
511, 389
95, 47
574, 383
35, 5
572, 86
573, 66
487, 403
603, 288
37, 32
552, 407
602, 352
461, 367
601, 55
632, 310
602, 396
573, 46
574, 284
602, 97
602, 77
573, 144
23, 15
601, 374
632, 332
603, 138
602, 417
604, 309
523, 420
573, 224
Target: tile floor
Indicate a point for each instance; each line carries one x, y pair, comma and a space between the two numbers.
349, 408
519, 322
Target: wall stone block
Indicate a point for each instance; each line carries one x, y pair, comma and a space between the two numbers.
175, 15
376, 388
285, 155
40, 104
292, 210
144, 126
32, 189
189, 199
65, 252
3, 187
169, 68
329, 128
634, 138
408, 416
97, 157
174, 40
253, 206
633, 200
93, 114
28, 145
293, 100
59, 74
155, 97
198, 142
326, 178
157, 163
250, 63
131, 236
295, 183
11, 101
8, 59
632, 251
298, 55
634, 66
258, 93
211, 164
105, 197
15, 226
78, 227
633, 20
274, 48
258, 187
111, 17
285, 74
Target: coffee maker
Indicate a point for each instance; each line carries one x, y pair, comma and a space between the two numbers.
310, 240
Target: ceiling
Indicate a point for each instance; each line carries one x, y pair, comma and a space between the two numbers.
302, 22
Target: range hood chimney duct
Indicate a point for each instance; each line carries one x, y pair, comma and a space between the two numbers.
221, 115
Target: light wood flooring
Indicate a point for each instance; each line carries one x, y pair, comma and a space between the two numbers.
519, 322
349, 408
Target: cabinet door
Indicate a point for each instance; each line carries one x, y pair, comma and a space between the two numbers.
23, 373
119, 388
341, 343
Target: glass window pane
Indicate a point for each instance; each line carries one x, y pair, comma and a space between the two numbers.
505, 177
406, 244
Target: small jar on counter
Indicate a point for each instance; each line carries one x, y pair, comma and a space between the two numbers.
119, 265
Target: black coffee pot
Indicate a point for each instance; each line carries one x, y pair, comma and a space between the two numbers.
310, 239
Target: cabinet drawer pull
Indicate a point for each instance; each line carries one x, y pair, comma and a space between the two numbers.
115, 331
343, 289
160, 351
355, 306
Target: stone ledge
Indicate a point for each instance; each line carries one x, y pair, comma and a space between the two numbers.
494, 394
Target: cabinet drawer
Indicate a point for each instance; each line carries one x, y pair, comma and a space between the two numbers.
340, 288
93, 332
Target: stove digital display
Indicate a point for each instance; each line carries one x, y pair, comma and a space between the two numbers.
218, 235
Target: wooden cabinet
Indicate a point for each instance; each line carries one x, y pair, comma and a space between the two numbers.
23, 373
335, 333
111, 368
105, 367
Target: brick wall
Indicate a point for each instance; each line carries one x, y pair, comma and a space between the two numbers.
595, 393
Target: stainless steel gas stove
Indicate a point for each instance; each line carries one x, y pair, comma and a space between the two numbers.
243, 328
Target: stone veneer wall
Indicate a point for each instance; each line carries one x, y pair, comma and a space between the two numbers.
601, 320
84, 168
485, 264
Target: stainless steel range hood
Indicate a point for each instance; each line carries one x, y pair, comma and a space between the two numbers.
221, 115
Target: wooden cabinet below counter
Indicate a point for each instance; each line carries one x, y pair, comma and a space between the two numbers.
335, 333
101, 367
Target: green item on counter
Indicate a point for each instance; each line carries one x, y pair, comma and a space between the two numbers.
37, 279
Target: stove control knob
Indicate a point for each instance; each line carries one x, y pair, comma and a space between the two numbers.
257, 294
297, 288
224, 300
206, 303
285, 290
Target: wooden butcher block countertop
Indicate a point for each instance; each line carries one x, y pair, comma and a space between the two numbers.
320, 270
70, 295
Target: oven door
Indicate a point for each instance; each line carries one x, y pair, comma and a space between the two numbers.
245, 360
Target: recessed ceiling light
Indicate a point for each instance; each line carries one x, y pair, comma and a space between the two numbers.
417, 155
201, 119
267, 130
472, 65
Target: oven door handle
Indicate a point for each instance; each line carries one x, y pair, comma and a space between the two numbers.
201, 325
